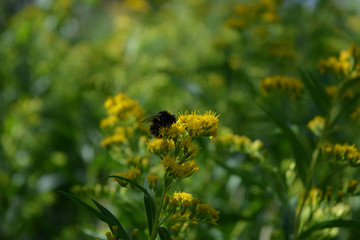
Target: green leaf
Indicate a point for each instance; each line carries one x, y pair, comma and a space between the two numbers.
105, 215
150, 209
92, 210
148, 201
150, 212
316, 91
300, 154
355, 225
114, 221
164, 233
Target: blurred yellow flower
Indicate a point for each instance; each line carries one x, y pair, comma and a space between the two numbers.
344, 153
238, 143
119, 108
344, 64
293, 86
316, 125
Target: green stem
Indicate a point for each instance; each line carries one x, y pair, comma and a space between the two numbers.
157, 222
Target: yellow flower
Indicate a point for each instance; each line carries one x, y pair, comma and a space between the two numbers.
316, 125
200, 125
238, 143
179, 203
204, 212
343, 64
161, 146
109, 121
331, 91
178, 170
292, 86
345, 152
119, 108
106, 141
118, 137
183, 206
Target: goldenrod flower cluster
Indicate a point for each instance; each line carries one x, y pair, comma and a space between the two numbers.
119, 136
123, 128
179, 165
344, 153
199, 125
344, 64
238, 143
320, 206
177, 169
161, 146
316, 195
120, 108
292, 86
132, 174
183, 206
316, 125
176, 148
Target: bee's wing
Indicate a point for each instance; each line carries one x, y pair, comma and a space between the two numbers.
150, 119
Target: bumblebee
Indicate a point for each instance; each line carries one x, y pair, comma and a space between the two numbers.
160, 120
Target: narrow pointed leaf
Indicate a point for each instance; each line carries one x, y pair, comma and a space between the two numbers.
90, 209
114, 221
150, 208
316, 91
148, 200
355, 225
150, 212
164, 233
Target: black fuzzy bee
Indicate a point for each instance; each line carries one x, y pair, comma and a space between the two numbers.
160, 120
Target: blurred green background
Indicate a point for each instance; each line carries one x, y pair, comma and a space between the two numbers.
60, 59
